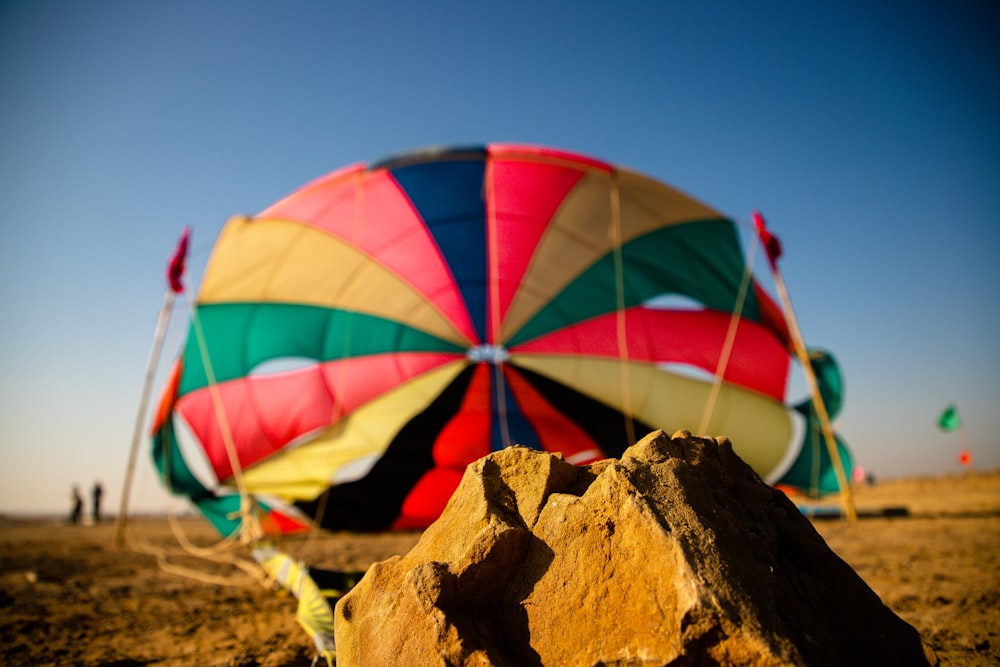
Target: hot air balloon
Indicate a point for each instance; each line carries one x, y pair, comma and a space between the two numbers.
356, 344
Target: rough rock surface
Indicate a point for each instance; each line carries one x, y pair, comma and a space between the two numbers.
676, 554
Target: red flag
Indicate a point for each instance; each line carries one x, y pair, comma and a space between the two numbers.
772, 246
175, 269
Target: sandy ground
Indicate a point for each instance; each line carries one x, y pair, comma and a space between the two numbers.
68, 597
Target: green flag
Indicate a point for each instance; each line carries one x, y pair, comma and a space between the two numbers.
949, 421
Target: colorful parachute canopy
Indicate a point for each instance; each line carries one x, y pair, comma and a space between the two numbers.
354, 346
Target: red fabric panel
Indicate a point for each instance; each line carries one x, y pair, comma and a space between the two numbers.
467, 436
758, 360
308, 192
773, 316
251, 441
428, 498
356, 381
557, 432
266, 413
463, 440
277, 523
524, 151
369, 211
525, 197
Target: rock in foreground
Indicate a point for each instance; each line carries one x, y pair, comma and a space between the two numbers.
676, 554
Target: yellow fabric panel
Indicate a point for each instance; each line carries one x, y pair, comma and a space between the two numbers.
759, 427
581, 232
302, 473
268, 260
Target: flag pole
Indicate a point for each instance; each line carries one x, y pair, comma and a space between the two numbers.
773, 249
175, 271
965, 456
966, 448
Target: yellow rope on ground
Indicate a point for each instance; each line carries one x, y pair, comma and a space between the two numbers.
251, 573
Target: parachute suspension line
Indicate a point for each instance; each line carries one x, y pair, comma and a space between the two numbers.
727, 347
620, 323
248, 518
206, 578
221, 553
161, 555
501, 390
493, 334
251, 532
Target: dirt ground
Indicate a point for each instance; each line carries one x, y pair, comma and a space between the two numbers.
68, 597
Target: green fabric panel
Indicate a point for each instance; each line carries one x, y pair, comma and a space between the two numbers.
221, 512
175, 474
178, 479
829, 380
701, 260
813, 472
239, 336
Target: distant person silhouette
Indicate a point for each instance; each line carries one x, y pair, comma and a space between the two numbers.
77, 500
96, 494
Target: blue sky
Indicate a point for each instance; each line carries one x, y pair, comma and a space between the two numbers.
866, 133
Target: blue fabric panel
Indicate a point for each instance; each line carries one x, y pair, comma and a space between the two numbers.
520, 430
448, 194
